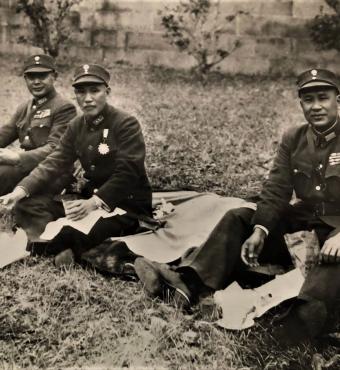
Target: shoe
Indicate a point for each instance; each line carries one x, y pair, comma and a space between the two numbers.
64, 259
175, 291
161, 281
148, 274
291, 331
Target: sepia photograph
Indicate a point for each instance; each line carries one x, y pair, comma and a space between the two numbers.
169, 184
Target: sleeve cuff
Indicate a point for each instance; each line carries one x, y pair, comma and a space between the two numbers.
24, 189
262, 228
100, 203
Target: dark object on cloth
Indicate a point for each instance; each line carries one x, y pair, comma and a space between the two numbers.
112, 257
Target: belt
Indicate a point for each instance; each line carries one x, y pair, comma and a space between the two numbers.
326, 209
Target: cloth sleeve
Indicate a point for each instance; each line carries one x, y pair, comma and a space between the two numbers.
58, 163
9, 131
277, 190
31, 158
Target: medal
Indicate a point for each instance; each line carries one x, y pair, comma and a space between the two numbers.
103, 148
334, 159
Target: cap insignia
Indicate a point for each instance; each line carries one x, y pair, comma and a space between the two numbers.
314, 73
86, 68
37, 59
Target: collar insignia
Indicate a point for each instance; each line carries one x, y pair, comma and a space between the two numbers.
41, 101
97, 121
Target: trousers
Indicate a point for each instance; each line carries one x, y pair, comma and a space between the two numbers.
218, 261
33, 214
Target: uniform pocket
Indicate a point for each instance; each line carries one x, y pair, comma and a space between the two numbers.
302, 174
39, 130
332, 179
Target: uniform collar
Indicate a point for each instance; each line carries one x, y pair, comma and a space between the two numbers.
40, 101
97, 121
323, 138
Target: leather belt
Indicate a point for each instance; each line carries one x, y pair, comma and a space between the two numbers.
327, 209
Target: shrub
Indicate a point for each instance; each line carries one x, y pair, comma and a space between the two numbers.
196, 27
325, 28
48, 19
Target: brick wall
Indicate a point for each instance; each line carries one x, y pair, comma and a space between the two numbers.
273, 35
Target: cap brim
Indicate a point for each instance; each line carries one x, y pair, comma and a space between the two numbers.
37, 69
311, 84
87, 80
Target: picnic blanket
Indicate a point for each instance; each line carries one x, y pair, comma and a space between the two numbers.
194, 217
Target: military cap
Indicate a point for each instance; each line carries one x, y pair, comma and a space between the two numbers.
39, 63
88, 73
317, 77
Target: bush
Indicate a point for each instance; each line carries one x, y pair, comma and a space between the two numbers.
325, 28
196, 27
48, 19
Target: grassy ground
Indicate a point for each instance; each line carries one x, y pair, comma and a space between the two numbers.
219, 137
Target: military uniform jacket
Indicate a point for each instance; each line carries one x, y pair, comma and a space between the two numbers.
118, 177
39, 125
294, 169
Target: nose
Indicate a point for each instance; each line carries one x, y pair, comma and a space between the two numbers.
88, 97
316, 105
36, 80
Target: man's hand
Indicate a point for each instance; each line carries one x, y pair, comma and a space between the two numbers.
11, 199
77, 209
8, 156
330, 252
252, 247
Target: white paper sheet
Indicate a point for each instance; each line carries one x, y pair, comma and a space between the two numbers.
241, 306
12, 247
84, 225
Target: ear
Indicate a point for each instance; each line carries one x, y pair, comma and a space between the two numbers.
55, 74
108, 90
338, 99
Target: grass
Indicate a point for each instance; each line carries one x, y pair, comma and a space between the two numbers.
218, 137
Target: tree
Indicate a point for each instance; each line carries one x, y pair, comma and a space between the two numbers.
325, 28
196, 27
48, 18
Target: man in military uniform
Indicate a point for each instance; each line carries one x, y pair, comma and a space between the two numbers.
110, 147
308, 162
38, 123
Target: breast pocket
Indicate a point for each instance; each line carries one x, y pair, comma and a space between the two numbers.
302, 174
39, 130
332, 179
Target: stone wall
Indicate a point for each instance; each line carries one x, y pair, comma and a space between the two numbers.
273, 35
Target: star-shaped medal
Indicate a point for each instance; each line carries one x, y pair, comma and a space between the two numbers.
103, 148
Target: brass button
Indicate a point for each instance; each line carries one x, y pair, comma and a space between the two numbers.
90, 147
295, 170
92, 167
318, 188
